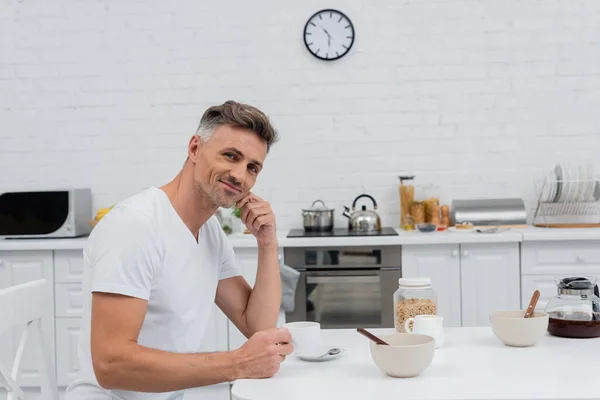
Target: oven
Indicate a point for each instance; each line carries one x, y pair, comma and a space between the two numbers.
345, 287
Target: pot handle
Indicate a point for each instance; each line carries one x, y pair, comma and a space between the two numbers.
316, 201
364, 195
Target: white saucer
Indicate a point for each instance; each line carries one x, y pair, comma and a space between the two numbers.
314, 357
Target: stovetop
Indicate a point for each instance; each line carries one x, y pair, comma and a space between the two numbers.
339, 232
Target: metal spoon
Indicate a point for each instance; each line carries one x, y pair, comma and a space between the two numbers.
331, 352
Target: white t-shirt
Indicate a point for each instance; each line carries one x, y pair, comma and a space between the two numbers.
142, 248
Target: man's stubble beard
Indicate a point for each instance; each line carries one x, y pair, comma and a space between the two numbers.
215, 197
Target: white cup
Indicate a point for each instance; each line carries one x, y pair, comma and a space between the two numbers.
430, 325
306, 335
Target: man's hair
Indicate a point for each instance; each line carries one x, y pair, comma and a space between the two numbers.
238, 115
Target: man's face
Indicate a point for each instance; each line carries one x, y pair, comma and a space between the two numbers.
228, 164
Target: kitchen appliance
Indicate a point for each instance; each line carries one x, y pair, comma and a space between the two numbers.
340, 232
363, 219
345, 286
318, 218
575, 311
489, 212
45, 213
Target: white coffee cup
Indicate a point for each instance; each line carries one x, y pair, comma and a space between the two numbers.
305, 335
430, 325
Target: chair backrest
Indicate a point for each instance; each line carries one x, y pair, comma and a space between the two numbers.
25, 305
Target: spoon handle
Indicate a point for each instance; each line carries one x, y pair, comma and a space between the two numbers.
532, 304
371, 336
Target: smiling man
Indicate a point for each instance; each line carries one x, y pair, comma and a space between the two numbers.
158, 261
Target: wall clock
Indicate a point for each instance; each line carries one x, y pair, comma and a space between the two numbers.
329, 34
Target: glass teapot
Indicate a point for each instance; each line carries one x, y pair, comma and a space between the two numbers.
575, 310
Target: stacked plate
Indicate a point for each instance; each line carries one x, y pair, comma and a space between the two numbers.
571, 183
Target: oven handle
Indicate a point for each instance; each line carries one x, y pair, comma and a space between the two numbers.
343, 279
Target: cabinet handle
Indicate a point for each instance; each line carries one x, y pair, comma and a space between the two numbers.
465, 253
1, 263
580, 258
455, 253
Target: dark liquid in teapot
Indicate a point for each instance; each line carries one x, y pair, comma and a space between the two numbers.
574, 324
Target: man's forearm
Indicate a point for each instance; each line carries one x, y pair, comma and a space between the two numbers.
143, 369
265, 300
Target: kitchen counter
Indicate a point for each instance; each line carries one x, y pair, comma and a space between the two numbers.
43, 244
403, 238
472, 364
541, 234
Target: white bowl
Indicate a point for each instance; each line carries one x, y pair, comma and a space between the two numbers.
514, 330
407, 355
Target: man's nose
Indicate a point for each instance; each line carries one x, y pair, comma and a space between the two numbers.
238, 173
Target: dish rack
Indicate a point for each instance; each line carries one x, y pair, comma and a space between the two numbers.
566, 203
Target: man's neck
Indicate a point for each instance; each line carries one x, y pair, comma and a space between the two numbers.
193, 206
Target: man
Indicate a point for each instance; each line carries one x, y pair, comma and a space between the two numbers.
159, 260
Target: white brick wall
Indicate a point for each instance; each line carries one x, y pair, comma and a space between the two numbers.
474, 96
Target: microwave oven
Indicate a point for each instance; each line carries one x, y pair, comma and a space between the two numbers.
59, 213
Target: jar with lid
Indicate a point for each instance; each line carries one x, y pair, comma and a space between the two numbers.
414, 296
575, 311
407, 196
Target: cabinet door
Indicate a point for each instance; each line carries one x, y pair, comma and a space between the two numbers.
490, 280
441, 263
18, 267
216, 335
248, 259
67, 361
564, 257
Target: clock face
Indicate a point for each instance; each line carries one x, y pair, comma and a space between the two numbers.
329, 35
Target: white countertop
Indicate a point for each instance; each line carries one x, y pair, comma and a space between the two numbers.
43, 244
471, 365
538, 234
403, 238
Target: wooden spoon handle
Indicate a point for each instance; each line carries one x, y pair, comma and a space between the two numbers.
371, 336
532, 304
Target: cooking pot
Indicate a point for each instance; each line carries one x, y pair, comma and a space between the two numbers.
318, 218
363, 220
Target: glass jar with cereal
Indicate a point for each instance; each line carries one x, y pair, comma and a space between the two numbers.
414, 296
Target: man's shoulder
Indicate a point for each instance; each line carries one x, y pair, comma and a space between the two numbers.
135, 215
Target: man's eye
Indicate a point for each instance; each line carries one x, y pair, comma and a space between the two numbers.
230, 155
253, 169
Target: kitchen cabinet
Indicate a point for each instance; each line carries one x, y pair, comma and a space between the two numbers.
490, 280
441, 263
543, 262
17, 267
248, 259
471, 280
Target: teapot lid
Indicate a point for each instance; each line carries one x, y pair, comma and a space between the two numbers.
576, 285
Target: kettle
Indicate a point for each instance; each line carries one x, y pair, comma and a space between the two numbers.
363, 220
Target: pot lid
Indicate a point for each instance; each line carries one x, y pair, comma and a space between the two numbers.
314, 207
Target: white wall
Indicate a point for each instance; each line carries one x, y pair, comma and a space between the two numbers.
476, 97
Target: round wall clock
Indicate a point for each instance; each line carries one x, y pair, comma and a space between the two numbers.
329, 34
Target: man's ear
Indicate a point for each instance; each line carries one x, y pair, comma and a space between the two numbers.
193, 147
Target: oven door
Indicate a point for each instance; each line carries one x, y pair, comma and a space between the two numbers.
347, 298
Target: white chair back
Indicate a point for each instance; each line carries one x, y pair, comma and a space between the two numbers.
26, 305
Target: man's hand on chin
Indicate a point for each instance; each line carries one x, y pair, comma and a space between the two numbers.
259, 218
